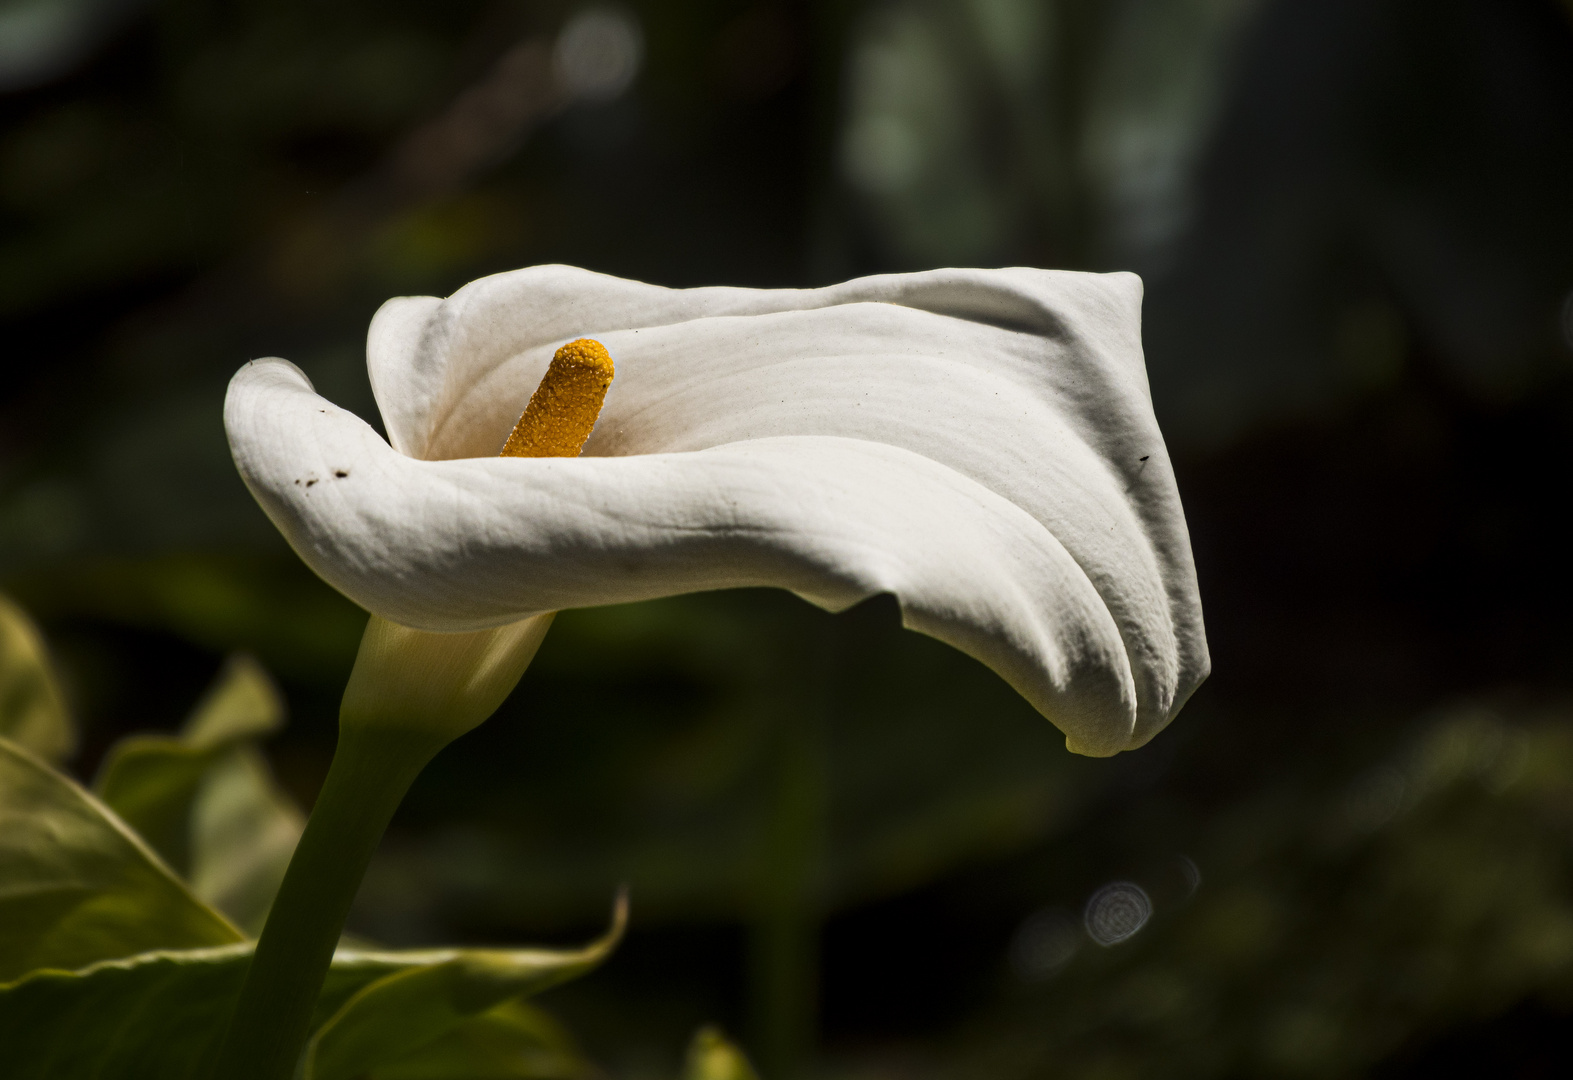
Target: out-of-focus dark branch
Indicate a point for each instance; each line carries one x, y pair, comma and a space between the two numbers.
481, 127
305, 261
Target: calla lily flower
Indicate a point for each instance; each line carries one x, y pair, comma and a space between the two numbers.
978, 443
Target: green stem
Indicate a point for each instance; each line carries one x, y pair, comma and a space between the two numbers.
371, 771
783, 941
784, 971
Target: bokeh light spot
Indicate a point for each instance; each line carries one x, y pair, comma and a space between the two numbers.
598, 54
1116, 912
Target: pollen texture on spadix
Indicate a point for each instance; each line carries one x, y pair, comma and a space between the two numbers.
563, 410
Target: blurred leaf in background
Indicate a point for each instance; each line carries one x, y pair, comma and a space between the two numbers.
151, 781
1060, 133
695, 702
243, 830
109, 964
511, 1041
160, 1013
32, 712
1363, 173
41, 39
711, 1056
79, 886
205, 799
1382, 190
1321, 929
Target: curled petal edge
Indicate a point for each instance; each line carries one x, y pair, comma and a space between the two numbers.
468, 544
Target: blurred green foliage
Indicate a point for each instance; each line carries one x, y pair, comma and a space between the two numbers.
1348, 213
151, 781
205, 799
111, 965
1327, 926
79, 885
712, 1057
698, 703
32, 713
161, 1012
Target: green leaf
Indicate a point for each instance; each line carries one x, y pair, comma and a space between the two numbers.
511, 1041
151, 781
32, 712
711, 1056
160, 1014
78, 886
242, 704
153, 1014
244, 829
401, 1013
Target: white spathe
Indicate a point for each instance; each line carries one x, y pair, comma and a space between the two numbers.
978, 443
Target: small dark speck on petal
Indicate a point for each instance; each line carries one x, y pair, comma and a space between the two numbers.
340, 473
297, 481
1146, 456
310, 482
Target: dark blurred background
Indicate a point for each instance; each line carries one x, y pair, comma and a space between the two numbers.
1353, 853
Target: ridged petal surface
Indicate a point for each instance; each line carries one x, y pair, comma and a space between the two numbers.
978, 443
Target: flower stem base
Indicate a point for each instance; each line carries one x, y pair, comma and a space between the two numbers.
371, 771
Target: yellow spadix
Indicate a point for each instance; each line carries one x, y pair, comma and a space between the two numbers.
563, 409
